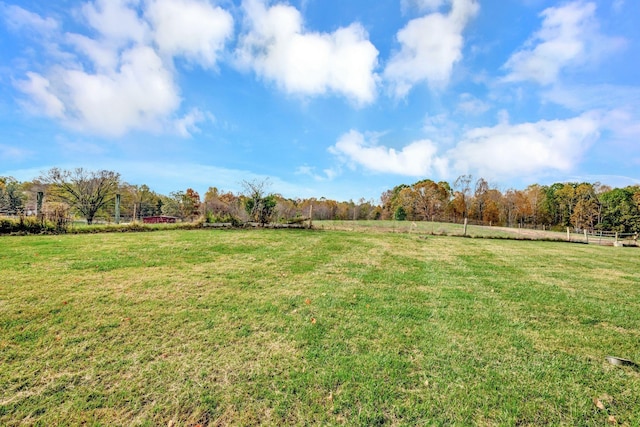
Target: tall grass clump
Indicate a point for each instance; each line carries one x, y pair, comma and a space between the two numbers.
29, 225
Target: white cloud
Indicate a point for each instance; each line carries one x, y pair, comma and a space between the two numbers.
42, 100
619, 104
310, 171
139, 94
279, 49
305, 170
469, 104
103, 56
18, 18
498, 152
594, 96
123, 78
430, 46
416, 159
624, 124
188, 125
191, 28
117, 20
441, 128
507, 150
569, 37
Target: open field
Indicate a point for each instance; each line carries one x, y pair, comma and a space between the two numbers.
438, 228
479, 231
302, 327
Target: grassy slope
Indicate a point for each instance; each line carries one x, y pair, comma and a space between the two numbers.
300, 327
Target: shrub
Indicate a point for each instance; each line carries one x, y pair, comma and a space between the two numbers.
58, 215
26, 225
400, 214
222, 218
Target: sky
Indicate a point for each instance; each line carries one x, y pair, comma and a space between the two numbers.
342, 99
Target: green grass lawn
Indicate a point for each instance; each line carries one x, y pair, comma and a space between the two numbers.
301, 327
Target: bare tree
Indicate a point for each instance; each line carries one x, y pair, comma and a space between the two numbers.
85, 191
462, 185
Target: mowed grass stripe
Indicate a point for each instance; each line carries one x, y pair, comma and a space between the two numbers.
315, 327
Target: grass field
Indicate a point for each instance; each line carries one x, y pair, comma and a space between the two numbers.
298, 327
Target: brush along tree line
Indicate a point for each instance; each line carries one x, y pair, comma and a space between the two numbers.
90, 195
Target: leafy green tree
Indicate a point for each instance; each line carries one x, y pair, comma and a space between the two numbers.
171, 204
550, 204
391, 200
620, 212
400, 214
535, 196
140, 200
566, 200
182, 204
261, 210
12, 198
586, 208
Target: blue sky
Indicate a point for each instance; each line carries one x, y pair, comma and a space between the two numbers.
325, 98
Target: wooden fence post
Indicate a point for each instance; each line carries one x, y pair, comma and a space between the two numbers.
465, 227
117, 209
586, 236
568, 235
310, 216
39, 199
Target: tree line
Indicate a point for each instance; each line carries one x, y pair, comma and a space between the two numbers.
91, 195
590, 206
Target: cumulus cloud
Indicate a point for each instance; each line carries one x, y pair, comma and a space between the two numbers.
416, 159
103, 56
123, 77
501, 151
116, 20
139, 94
190, 28
618, 104
430, 47
279, 49
624, 124
509, 150
17, 18
41, 98
569, 37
